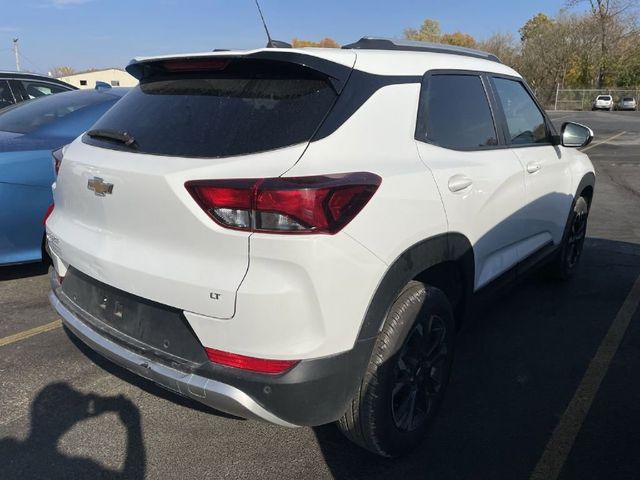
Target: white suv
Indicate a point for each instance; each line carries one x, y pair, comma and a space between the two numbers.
294, 234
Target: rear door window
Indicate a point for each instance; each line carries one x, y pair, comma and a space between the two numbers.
525, 121
219, 114
6, 97
455, 113
35, 89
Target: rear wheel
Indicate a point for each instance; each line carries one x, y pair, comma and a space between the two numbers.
564, 265
406, 376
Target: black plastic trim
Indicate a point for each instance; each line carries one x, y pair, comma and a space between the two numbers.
377, 43
413, 261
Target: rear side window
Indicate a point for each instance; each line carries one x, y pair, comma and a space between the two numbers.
218, 115
455, 112
31, 115
525, 121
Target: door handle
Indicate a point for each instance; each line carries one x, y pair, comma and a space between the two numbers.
533, 167
459, 182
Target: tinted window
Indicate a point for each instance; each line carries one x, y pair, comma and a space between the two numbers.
6, 98
28, 116
524, 120
455, 112
218, 116
41, 89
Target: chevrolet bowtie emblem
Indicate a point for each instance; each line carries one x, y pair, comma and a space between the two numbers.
99, 186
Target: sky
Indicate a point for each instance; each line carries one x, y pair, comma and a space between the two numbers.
99, 33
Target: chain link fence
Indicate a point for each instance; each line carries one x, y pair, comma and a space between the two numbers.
582, 99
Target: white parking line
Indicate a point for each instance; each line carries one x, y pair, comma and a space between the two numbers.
559, 446
603, 141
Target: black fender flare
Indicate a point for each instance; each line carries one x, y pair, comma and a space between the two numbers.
414, 260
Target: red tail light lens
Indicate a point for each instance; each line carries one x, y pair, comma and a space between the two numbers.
252, 364
195, 64
47, 214
318, 204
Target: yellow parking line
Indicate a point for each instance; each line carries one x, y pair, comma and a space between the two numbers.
604, 141
559, 446
30, 333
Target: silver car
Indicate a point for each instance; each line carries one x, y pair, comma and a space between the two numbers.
627, 103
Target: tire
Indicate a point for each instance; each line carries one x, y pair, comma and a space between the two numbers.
407, 374
567, 259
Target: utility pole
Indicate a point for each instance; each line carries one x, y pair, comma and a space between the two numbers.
15, 52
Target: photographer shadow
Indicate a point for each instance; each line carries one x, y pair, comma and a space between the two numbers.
55, 411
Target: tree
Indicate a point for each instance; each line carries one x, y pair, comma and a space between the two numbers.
326, 42
429, 32
62, 71
534, 26
503, 46
460, 39
613, 19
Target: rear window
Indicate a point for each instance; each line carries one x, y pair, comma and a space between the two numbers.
627, 99
219, 114
31, 115
604, 97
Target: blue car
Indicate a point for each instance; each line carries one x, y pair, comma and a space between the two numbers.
29, 132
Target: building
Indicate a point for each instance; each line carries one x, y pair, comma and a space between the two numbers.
116, 77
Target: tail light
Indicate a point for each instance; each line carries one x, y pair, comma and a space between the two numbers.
318, 204
252, 364
47, 214
57, 159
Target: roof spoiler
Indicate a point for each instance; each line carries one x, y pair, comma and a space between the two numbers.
336, 73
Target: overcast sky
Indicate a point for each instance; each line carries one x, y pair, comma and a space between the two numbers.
101, 33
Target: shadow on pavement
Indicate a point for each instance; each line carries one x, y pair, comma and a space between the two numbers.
142, 383
54, 412
519, 360
14, 272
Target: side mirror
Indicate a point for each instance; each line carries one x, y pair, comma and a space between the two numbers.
576, 135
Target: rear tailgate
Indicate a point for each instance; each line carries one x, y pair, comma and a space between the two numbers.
123, 215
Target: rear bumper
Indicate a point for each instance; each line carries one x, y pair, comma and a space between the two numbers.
315, 392
204, 390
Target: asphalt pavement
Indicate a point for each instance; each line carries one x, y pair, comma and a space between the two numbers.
545, 380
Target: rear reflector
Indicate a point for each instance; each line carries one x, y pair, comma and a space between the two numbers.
251, 364
317, 204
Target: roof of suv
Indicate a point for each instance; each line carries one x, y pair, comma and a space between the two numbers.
412, 60
33, 76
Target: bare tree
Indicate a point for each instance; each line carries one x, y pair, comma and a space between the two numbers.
62, 71
614, 19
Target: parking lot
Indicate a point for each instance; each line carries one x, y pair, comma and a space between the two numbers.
545, 380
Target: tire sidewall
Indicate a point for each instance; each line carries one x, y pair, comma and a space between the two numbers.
580, 206
393, 440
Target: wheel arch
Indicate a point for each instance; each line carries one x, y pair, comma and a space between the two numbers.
444, 261
586, 187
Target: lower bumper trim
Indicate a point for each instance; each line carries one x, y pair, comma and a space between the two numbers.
210, 392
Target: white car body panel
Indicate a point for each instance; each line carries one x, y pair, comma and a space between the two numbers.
305, 296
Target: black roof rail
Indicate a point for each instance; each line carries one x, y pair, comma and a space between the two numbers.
378, 43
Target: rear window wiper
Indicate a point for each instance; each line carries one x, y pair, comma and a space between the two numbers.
122, 137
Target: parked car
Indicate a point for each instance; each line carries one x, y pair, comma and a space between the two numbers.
29, 132
294, 235
603, 102
16, 87
627, 103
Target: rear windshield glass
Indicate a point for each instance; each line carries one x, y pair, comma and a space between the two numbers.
31, 115
604, 97
218, 115
627, 99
